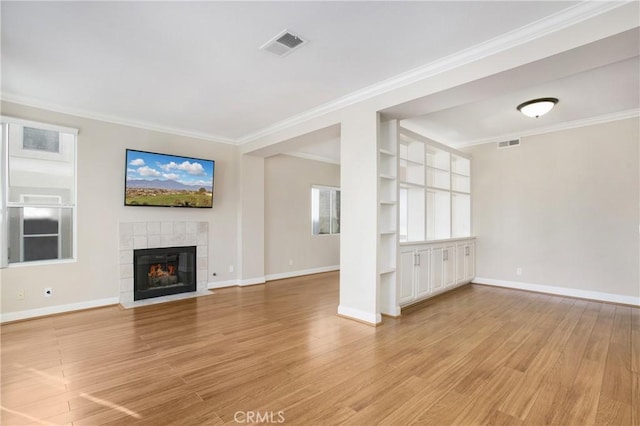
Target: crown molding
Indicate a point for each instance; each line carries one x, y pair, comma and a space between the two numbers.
601, 119
312, 157
550, 24
558, 21
35, 103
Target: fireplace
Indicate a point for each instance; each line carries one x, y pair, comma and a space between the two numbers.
163, 271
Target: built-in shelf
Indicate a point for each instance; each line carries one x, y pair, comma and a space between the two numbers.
424, 190
390, 169
447, 240
437, 204
410, 184
418, 163
440, 169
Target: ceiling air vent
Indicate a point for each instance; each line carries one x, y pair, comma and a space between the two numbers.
509, 144
284, 43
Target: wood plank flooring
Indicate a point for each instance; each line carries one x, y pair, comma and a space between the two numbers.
477, 356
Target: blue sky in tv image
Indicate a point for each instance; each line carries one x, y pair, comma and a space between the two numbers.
184, 170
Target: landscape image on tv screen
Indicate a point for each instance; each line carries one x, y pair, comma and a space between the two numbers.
163, 180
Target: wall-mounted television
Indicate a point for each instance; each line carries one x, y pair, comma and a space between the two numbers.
162, 180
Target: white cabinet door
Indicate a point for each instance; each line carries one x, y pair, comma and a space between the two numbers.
422, 273
461, 263
428, 269
437, 270
449, 265
406, 292
470, 262
465, 262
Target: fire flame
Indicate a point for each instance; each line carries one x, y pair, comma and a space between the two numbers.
156, 271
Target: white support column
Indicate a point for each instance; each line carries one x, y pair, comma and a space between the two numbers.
359, 216
251, 222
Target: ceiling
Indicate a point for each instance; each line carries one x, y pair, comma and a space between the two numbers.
597, 81
195, 68
603, 91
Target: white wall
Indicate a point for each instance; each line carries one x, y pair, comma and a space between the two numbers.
288, 236
251, 212
101, 165
563, 207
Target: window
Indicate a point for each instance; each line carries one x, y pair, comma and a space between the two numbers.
325, 210
38, 195
40, 140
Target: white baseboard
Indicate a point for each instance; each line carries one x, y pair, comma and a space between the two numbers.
222, 284
252, 281
312, 271
562, 291
393, 311
359, 315
59, 309
271, 277
434, 294
236, 283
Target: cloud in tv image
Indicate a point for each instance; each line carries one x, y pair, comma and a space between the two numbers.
154, 179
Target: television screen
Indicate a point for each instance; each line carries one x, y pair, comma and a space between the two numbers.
163, 180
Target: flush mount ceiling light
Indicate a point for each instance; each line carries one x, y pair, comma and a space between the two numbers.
537, 107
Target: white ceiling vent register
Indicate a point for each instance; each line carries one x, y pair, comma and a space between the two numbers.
509, 144
284, 43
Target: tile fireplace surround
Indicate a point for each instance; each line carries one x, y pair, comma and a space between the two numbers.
142, 235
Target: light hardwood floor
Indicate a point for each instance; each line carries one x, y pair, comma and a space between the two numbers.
479, 355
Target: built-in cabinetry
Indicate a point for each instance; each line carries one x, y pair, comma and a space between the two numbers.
424, 215
465, 261
434, 198
427, 269
388, 209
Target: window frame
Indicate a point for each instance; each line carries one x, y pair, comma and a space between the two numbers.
333, 189
5, 204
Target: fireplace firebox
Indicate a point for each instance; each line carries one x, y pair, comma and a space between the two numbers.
163, 271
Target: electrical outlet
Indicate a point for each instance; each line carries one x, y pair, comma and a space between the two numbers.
518, 271
290, 262
20, 295
230, 268
48, 292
